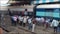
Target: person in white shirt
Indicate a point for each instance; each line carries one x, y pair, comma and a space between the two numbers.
24, 21
21, 20
27, 17
47, 23
42, 21
30, 23
55, 25
38, 21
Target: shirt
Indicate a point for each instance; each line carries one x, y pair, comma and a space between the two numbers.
37, 19
42, 19
25, 20
20, 18
29, 20
14, 18
48, 20
54, 23
27, 17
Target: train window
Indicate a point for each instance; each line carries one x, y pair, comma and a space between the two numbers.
49, 10
54, 12
30, 13
56, 15
40, 13
48, 14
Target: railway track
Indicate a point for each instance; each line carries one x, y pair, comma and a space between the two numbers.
5, 29
26, 30
19, 29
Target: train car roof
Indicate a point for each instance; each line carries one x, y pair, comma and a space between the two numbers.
49, 6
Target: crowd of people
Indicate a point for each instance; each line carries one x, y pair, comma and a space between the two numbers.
47, 23
23, 21
32, 22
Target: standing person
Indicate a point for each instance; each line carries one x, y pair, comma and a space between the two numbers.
24, 21
42, 21
15, 19
47, 23
33, 26
21, 20
2, 19
30, 23
59, 27
27, 19
12, 20
55, 25
9, 12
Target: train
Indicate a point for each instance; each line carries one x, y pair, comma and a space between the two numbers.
48, 10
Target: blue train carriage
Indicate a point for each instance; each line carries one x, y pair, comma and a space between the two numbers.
48, 10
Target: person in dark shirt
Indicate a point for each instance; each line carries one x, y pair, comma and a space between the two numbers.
34, 24
59, 27
9, 12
